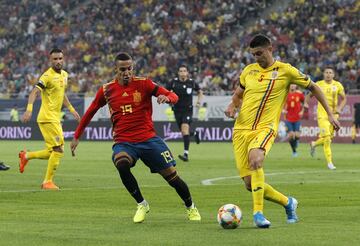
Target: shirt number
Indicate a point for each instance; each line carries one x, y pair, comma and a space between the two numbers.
261, 77
167, 156
126, 109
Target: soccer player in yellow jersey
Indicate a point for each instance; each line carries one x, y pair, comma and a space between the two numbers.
332, 90
261, 95
52, 85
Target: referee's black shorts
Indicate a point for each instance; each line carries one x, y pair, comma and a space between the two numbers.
183, 117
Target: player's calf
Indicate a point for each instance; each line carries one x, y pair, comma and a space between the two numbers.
123, 164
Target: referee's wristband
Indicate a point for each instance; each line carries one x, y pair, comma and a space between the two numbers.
29, 107
71, 109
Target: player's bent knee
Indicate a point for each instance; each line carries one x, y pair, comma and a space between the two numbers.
122, 162
171, 177
256, 164
327, 139
59, 149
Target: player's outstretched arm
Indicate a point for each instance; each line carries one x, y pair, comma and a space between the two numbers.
307, 99
200, 97
316, 91
235, 103
32, 97
165, 96
342, 103
98, 102
71, 108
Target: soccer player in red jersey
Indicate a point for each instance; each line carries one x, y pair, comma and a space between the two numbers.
129, 100
294, 111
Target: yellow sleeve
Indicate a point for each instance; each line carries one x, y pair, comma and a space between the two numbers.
341, 89
242, 78
43, 81
66, 80
297, 77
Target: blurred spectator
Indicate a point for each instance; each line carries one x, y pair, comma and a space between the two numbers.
169, 114
202, 113
14, 114
165, 34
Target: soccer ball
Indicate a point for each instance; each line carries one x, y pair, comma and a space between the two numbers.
229, 216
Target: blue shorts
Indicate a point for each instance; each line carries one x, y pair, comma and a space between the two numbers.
292, 126
153, 152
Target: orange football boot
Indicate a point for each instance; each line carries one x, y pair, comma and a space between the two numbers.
49, 186
22, 161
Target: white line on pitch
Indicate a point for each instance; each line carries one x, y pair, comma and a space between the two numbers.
210, 181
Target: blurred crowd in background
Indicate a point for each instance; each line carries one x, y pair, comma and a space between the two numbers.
211, 37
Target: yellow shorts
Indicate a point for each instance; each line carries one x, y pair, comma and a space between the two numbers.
244, 141
52, 134
325, 127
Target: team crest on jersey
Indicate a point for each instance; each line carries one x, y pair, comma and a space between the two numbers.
254, 72
189, 90
274, 75
137, 97
334, 88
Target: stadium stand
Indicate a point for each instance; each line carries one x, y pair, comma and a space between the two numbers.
164, 34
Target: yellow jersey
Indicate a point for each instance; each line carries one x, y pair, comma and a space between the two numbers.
331, 91
52, 86
265, 91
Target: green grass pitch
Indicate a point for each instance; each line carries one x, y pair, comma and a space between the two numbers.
93, 208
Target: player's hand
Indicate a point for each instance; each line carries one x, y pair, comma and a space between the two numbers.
231, 111
162, 99
74, 143
26, 116
198, 105
338, 110
334, 122
76, 116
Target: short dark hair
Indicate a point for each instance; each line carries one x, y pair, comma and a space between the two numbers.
183, 65
123, 56
56, 50
260, 40
329, 67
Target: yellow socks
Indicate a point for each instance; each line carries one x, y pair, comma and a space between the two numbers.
327, 149
257, 189
53, 163
41, 154
273, 195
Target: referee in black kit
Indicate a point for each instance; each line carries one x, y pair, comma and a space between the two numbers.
184, 87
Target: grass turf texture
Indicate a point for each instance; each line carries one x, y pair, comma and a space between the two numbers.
93, 208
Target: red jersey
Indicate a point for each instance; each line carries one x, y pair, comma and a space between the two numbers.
294, 105
130, 109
